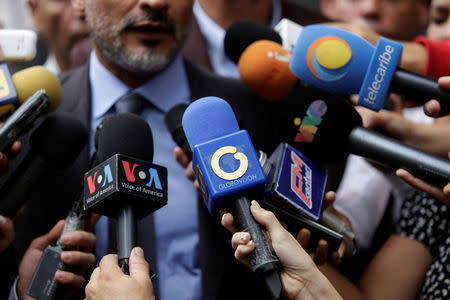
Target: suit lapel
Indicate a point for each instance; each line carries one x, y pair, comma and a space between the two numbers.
195, 48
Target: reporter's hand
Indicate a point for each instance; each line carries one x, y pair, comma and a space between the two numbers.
108, 282
183, 160
358, 29
7, 233
4, 160
442, 195
433, 108
85, 241
322, 255
300, 276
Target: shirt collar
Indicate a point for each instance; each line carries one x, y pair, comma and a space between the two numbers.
215, 34
165, 90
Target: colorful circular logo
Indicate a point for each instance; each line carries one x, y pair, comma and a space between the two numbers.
328, 58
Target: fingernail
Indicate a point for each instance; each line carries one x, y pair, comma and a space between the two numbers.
250, 243
66, 256
245, 236
255, 204
2, 219
139, 252
223, 217
59, 275
66, 238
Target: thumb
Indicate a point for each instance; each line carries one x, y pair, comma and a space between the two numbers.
139, 268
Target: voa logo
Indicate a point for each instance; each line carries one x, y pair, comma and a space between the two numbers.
141, 176
100, 179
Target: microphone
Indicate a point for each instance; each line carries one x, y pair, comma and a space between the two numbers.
229, 173
344, 63
327, 130
173, 121
55, 144
241, 34
16, 89
36, 103
125, 185
264, 69
17, 45
295, 189
295, 218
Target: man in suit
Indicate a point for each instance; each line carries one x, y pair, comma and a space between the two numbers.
204, 46
137, 47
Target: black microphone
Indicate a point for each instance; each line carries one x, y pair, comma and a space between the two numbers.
173, 120
241, 34
55, 144
125, 185
326, 131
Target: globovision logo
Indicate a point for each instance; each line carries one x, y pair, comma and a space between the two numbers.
241, 157
100, 179
144, 176
328, 58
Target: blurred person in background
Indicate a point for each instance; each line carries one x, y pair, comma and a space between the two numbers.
204, 46
62, 26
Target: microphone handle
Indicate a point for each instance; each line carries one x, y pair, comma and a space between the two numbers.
262, 259
392, 153
126, 236
419, 88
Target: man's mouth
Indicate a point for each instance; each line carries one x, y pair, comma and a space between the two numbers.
150, 29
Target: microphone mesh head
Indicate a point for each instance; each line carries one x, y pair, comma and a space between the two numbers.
241, 34
29, 80
59, 139
126, 134
264, 68
208, 118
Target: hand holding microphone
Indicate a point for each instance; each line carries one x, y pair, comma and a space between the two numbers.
300, 276
344, 63
82, 258
108, 282
7, 233
229, 172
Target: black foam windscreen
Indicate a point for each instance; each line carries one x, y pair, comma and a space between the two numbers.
126, 134
241, 34
59, 139
173, 120
319, 130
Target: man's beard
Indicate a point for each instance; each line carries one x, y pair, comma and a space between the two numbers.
106, 36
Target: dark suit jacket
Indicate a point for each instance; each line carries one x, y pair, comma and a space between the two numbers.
195, 49
223, 277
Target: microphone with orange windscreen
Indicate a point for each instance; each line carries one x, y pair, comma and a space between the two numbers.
264, 69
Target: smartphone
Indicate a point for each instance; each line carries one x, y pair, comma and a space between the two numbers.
17, 45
